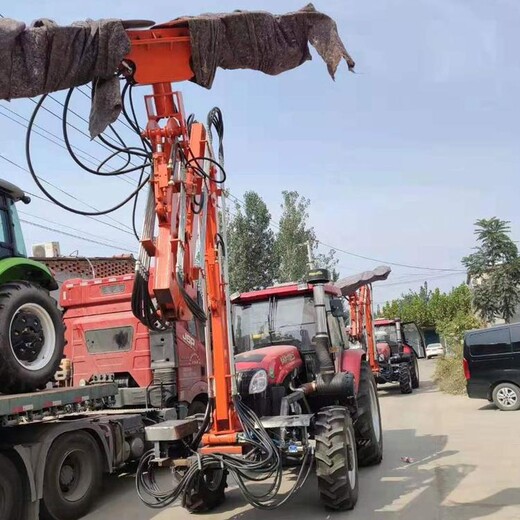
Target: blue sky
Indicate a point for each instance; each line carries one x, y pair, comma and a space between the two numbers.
398, 159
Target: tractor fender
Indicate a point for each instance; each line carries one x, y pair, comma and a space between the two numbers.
408, 350
23, 269
189, 394
351, 362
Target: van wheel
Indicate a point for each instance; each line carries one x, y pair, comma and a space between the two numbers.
507, 397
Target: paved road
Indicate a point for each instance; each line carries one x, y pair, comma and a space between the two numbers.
467, 466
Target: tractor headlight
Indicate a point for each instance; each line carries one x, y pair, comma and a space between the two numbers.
258, 382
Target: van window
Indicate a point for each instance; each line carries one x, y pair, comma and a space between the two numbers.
515, 337
489, 342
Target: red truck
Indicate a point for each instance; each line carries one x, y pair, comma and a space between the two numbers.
106, 342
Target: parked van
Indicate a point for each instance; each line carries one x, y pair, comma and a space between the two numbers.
492, 365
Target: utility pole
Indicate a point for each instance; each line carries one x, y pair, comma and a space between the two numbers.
310, 256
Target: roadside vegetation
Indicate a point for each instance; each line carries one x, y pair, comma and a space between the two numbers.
494, 268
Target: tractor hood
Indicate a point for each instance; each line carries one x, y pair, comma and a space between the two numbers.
278, 361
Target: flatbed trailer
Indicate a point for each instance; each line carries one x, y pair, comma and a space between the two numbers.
55, 445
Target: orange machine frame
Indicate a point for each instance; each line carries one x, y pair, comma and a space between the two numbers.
158, 57
361, 322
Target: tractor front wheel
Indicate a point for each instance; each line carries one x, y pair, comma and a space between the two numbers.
405, 378
336, 458
208, 491
31, 337
369, 432
415, 372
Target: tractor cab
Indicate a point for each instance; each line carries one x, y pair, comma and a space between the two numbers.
275, 333
398, 347
11, 237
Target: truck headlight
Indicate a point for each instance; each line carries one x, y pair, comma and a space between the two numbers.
258, 382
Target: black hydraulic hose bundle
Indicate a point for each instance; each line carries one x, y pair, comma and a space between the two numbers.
263, 462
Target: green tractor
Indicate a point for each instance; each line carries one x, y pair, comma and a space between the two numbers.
31, 326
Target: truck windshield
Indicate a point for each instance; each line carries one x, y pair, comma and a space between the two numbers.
289, 321
19, 243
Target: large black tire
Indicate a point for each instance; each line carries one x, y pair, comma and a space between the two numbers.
507, 397
31, 337
369, 431
415, 371
208, 491
405, 378
73, 476
11, 490
336, 458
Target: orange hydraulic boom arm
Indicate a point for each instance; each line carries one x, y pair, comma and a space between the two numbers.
187, 190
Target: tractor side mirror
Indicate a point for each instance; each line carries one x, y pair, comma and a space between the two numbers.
337, 308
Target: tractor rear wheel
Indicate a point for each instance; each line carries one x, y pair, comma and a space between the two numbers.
369, 432
31, 337
405, 378
207, 492
415, 371
336, 458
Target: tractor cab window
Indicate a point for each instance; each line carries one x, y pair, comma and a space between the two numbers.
277, 321
19, 243
4, 227
386, 333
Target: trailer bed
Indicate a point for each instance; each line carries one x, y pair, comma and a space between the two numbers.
54, 402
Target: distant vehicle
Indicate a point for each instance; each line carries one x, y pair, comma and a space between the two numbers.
434, 349
492, 365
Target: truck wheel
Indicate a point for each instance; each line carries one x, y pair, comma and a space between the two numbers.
507, 397
415, 372
405, 378
31, 337
207, 492
336, 458
11, 490
73, 475
369, 432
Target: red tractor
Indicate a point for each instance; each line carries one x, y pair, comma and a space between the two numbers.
398, 346
293, 358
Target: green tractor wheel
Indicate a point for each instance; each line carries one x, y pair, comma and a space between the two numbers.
31, 337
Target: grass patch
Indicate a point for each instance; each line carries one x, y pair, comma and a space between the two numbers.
449, 375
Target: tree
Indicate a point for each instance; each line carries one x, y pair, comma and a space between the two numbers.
292, 238
495, 270
252, 259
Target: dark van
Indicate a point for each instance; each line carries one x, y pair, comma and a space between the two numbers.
492, 365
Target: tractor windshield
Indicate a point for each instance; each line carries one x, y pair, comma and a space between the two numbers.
386, 333
277, 321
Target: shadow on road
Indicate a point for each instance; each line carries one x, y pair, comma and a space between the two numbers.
399, 491
392, 390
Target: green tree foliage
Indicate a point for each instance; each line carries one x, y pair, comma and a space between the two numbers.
449, 313
292, 238
252, 259
495, 269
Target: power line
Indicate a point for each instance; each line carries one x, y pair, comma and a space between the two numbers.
43, 199
94, 161
78, 129
71, 228
85, 239
350, 253
79, 150
59, 189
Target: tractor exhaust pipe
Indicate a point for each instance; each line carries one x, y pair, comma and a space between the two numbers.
319, 277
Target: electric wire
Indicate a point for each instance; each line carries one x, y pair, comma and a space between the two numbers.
76, 236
